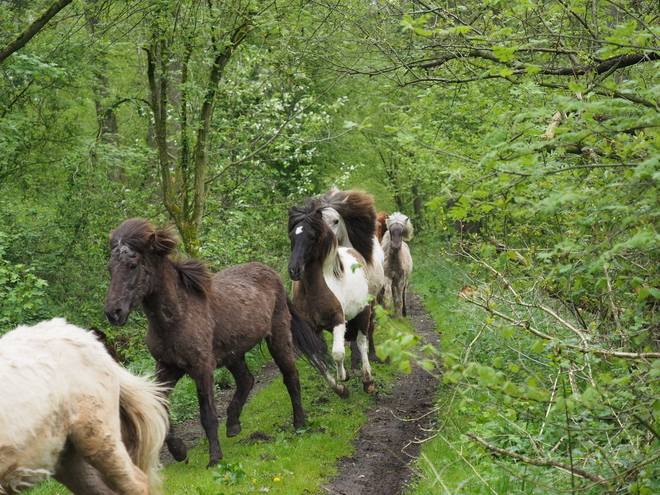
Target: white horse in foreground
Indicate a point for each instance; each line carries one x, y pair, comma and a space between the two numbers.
398, 262
68, 410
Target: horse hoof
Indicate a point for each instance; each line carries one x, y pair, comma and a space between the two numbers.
213, 463
375, 359
342, 391
178, 449
233, 430
369, 387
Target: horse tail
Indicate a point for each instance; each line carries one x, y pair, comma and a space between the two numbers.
308, 344
144, 423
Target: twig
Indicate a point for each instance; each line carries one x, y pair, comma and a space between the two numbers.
539, 462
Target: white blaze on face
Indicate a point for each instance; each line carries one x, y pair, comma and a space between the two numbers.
299, 230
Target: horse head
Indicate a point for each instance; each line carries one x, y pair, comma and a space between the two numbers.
312, 240
357, 218
134, 246
335, 221
381, 225
400, 229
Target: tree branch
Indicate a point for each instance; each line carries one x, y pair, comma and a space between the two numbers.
33, 29
540, 462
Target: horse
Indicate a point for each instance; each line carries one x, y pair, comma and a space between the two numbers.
198, 322
330, 288
381, 225
398, 262
352, 217
68, 410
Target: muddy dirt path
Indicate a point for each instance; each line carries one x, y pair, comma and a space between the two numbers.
389, 441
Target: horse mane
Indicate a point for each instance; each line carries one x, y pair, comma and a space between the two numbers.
398, 218
326, 240
140, 235
359, 213
194, 276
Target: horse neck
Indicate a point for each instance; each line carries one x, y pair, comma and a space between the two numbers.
314, 276
163, 303
342, 234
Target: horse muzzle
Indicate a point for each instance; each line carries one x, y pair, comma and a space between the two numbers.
295, 273
116, 316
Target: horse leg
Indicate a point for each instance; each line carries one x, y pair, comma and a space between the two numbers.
244, 383
397, 294
403, 299
78, 475
281, 348
387, 294
355, 355
97, 445
355, 351
338, 352
203, 378
168, 376
362, 323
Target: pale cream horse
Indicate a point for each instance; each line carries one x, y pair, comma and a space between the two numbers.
398, 261
69, 411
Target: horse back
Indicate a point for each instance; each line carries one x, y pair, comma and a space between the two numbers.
249, 297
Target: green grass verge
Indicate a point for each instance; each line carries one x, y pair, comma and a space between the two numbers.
444, 467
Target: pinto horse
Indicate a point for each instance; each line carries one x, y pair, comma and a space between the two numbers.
199, 322
398, 262
352, 217
330, 287
68, 410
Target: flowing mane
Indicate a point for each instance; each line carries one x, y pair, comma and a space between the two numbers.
359, 213
141, 236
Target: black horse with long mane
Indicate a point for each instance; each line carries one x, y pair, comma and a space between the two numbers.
199, 322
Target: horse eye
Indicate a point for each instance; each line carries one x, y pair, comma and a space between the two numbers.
336, 221
133, 266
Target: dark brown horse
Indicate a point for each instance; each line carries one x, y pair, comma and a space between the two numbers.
199, 322
330, 288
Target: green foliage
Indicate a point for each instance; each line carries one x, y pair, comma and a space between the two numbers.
228, 473
22, 292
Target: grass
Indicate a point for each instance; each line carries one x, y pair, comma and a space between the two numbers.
268, 453
445, 467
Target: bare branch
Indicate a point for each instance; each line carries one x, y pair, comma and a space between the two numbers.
540, 462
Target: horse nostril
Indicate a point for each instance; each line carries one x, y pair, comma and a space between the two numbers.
294, 273
113, 315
